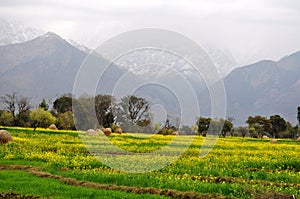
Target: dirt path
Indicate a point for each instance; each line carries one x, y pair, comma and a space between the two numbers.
137, 190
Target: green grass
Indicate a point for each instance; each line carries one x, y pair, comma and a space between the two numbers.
236, 167
24, 183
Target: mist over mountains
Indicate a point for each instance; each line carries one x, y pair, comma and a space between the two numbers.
45, 67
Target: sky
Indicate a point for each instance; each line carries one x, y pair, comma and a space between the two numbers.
250, 30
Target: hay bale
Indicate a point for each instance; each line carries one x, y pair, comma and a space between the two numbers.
298, 139
175, 133
91, 132
52, 127
107, 131
118, 131
5, 137
265, 137
273, 141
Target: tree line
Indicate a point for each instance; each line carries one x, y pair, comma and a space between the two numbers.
131, 113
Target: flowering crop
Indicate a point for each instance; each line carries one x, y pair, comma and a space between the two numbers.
239, 167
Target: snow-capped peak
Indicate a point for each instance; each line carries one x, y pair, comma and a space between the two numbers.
12, 31
78, 45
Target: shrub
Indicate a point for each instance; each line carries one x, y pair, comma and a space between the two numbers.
5, 137
41, 118
6, 118
66, 121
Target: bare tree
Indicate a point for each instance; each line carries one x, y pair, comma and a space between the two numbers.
9, 102
23, 105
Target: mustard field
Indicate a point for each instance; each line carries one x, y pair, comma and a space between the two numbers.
58, 164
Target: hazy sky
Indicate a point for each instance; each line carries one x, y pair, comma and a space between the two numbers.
250, 29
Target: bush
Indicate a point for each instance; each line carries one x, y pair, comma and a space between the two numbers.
5, 137
41, 118
66, 121
6, 119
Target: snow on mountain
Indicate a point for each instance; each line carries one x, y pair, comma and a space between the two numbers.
151, 63
78, 45
12, 31
222, 58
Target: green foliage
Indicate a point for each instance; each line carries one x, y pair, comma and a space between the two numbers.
28, 184
63, 104
6, 119
278, 125
132, 113
242, 131
84, 112
186, 130
203, 125
44, 105
104, 105
236, 167
298, 114
41, 118
66, 121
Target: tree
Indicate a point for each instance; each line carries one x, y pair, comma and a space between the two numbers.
18, 107
242, 130
6, 119
22, 118
84, 113
133, 111
278, 125
63, 104
44, 105
41, 118
227, 127
260, 124
203, 125
186, 130
9, 101
168, 129
298, 115
104, 105
66, 121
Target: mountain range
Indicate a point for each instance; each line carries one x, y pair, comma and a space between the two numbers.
46, 66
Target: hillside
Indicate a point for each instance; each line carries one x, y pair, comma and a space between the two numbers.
264, 88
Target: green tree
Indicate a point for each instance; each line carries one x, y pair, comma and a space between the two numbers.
6, 119
63, 104
84, 113
203, 125
66, 121
104, 105
227, 127
44, 105
278, 125
261, 125
168, 128
242, 131
41, 118
298, 115
133, 111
